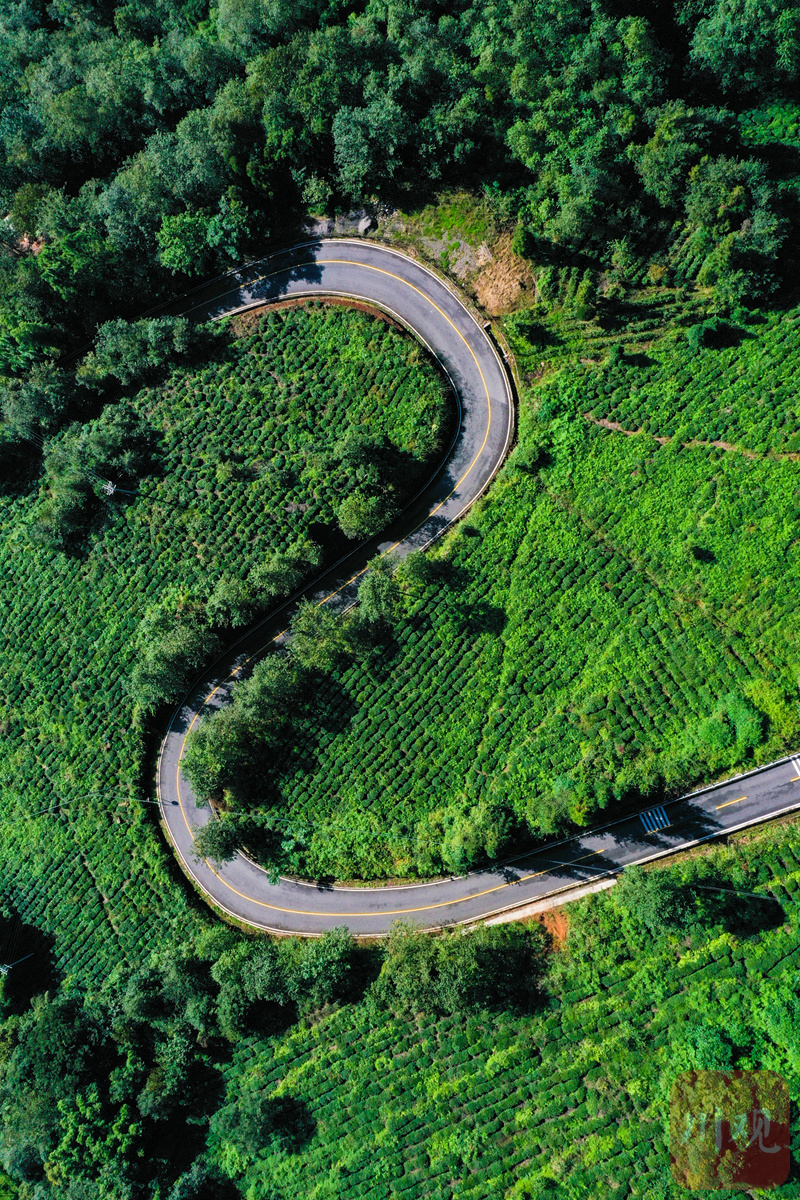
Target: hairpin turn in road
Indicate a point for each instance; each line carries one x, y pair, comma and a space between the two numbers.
430, 310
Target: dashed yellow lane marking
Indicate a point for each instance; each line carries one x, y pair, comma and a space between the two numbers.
728, 802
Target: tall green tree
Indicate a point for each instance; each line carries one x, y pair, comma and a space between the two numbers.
379, 592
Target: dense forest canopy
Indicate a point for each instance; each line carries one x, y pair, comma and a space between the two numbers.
146, 140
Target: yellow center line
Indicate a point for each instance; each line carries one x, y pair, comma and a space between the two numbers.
794, 779
389, 912
727, 802
300, 912
394, 912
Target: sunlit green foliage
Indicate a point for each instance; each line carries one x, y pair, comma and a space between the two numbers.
144, 142
742, 393
569, 1099
239, 462
482, 1062
617, 617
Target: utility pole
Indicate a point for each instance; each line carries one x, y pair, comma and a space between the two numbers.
6, 967
111, 489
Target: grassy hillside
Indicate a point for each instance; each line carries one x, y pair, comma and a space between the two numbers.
244, 459
615, 620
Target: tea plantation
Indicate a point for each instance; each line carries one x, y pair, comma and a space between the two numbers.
570, 1100
246, 459
615, 620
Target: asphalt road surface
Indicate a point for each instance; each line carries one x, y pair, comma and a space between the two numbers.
241, 888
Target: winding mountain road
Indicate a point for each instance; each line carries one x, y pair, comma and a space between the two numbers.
434, 314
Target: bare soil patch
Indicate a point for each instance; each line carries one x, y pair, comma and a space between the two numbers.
505, 283
556, 923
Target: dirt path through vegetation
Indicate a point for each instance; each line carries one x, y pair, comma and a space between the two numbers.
692, 445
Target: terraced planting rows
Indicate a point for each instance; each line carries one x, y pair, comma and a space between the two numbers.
745, 395
261, 474
617, 618
569, 1101
558, 329
512, 664
242, 467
